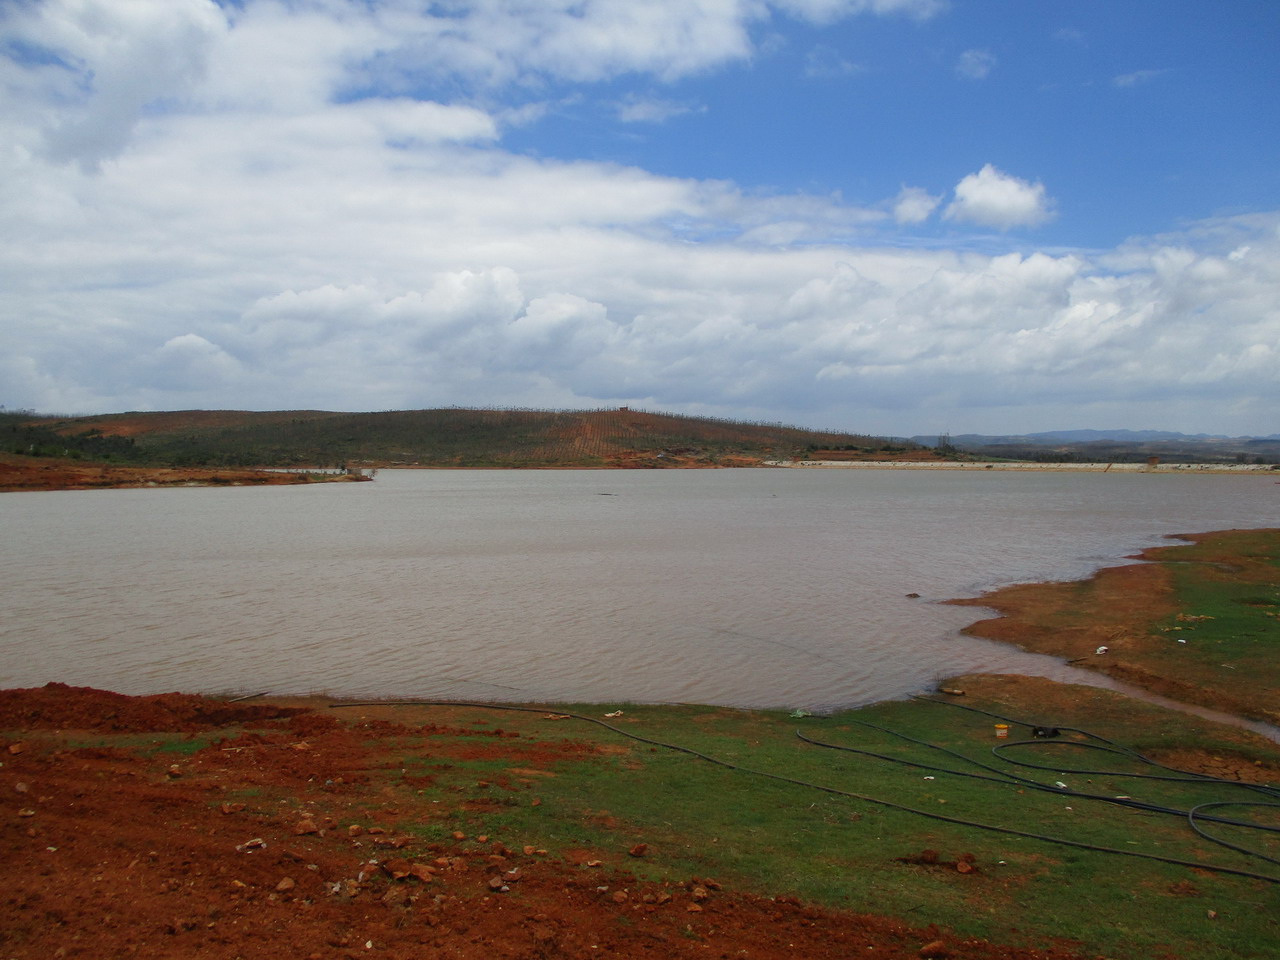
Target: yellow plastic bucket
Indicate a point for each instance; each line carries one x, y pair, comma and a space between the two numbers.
1002, 731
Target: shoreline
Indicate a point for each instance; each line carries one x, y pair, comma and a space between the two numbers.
1099, 467
23, 474
1110, 622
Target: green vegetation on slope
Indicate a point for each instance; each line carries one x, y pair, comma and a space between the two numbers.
436, 438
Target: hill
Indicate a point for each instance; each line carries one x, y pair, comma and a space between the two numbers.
428, 438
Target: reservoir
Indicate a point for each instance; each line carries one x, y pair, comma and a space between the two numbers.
753, 588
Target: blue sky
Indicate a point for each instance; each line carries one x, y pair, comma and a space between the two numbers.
1138, 115
890, 216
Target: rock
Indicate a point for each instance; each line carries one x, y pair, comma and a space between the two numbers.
934, 950
620, 896
459, 835
16, 748
355, 830
257, 843
397, 868
699, 893
285, 885
306, 826
26, 812
964, 867
229, 808
496, 884
395, 897
639, 850
529, 850
693, 908
21, 787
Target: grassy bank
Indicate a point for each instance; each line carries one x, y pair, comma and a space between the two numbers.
1198, 622
861, 832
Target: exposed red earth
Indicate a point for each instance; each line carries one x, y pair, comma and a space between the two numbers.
280, 840
47, 473
1116, 610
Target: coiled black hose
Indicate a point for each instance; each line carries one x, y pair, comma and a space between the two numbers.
836, 791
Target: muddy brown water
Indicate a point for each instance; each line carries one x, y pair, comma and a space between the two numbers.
753, 588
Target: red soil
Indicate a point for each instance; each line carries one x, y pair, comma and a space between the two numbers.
279, 841
1117, 610
47, 473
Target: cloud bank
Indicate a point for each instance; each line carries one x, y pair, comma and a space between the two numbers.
255, 206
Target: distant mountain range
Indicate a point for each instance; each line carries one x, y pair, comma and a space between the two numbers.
1052, 437
1114, 446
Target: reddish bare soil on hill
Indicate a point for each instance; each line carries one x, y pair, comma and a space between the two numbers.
275, 836
47, 473
173, 421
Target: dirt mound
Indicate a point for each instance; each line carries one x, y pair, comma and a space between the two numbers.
57, 706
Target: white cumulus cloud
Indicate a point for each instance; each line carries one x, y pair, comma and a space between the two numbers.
914, 205
992, 198
256, 205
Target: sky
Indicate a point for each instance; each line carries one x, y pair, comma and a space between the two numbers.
895, 217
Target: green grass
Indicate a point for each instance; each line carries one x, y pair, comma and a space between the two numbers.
150, 744
1226, 633
756, 833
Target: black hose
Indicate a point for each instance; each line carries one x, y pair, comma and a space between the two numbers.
1007, 777
1187, 777
1266, 789
1194, 817
1008, 831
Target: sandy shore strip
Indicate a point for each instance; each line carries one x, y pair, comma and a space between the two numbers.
1027, 465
